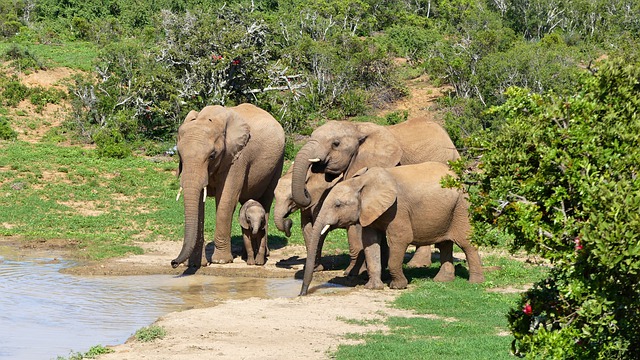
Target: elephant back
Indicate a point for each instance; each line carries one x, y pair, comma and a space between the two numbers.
422, 141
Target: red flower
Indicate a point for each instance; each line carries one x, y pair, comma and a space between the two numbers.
235, 62
527, 309
578, 244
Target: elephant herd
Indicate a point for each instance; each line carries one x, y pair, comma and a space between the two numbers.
381, 183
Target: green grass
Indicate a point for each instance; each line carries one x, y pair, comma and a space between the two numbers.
75, 55
150, 333
469, 322
52, 192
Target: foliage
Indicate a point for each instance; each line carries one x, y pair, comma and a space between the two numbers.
92, 353
561, 178
22, 58
6, 132
13, 91
150, 333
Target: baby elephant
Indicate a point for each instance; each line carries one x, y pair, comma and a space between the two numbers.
253, 220
405, 204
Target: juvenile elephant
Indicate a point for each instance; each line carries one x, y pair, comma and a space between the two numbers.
234, 153
253, 221
344, 147
405, 204
318, 184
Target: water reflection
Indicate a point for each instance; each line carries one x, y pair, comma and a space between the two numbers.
45, 314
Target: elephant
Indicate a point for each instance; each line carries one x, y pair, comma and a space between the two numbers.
344, 147
317, 183
236, 154
252, 219
406, 205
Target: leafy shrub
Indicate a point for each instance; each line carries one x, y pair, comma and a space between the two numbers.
22, 58
150, 333
14, 92
6, 132
111, 144
40, 96
561, 179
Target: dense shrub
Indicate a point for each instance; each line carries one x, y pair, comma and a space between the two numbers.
14, 92
561, 179
6, 132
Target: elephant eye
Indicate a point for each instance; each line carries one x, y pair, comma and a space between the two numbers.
336, 143
338, 203
212, 155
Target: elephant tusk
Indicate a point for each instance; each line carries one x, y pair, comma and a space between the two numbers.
204, 198
179, 192
324, 229
314, 160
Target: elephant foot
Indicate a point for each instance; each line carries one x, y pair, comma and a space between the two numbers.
318, 267
418, 263
447, 273
260, 261
421, 258
399, 283
374, 284
354, 270
250, 261
476, 278
221, 258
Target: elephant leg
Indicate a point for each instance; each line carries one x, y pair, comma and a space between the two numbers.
197, 257
447, 269
248, 246
398, 240
421, 258
357, 263
261, 245
473, 261
226, 201
371, 241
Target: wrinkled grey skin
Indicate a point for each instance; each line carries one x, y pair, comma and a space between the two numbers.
234, 154
318, 184
253, 221
344, 147
405, 204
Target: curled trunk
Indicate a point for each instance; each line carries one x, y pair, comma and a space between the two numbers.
300, 167
283, 223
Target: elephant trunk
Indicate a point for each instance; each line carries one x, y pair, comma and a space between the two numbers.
301, 165
192, 208
312, 254
283, 223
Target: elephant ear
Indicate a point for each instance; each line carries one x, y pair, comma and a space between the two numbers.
192, 115
379, 191
242, 217
236, 135
378, 148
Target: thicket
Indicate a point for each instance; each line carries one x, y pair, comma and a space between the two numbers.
560, 180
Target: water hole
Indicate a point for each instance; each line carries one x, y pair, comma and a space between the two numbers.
45, 314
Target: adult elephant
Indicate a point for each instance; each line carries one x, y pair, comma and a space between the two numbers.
344, 147
406, 205
234, 154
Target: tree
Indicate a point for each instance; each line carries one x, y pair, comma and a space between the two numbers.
561, 180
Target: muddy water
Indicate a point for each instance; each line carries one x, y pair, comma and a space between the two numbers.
45, 314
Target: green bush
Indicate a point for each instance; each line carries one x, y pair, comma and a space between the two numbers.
111, 144
6, 132
560, 178
150, 333
14, 92
40, 96
22, 58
